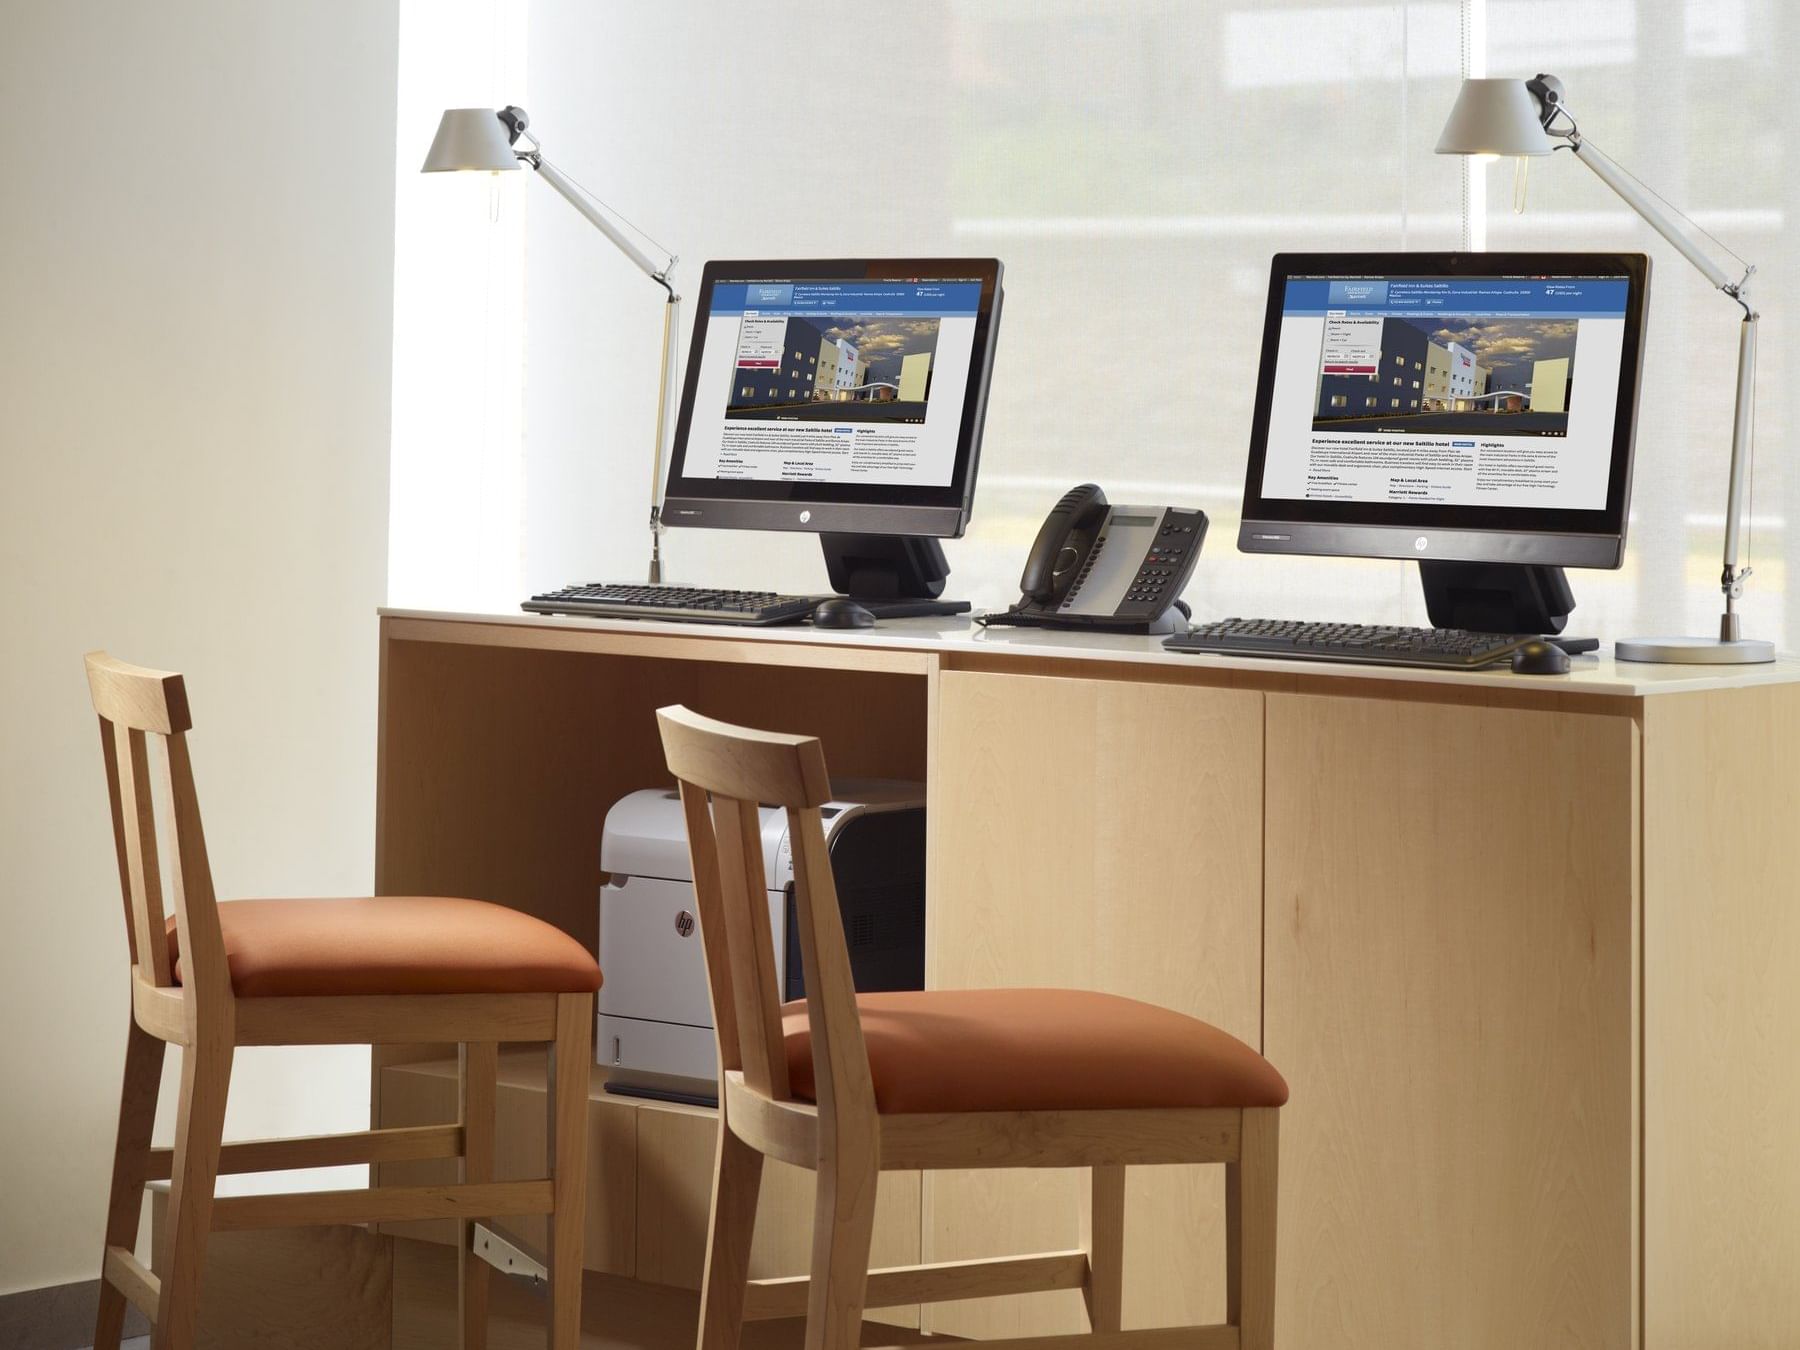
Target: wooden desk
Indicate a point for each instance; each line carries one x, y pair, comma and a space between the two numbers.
1528, 950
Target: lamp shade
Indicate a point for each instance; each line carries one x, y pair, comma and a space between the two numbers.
470, 138
1494, 117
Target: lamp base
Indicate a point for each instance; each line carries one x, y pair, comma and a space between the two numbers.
1695, 651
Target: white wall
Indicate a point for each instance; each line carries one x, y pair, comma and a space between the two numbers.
195, 299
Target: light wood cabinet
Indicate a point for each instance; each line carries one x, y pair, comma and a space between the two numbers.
1449, 985
1722, 1021
1094, 834
1527, 951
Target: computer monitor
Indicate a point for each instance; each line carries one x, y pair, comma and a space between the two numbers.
844, 398
1474, 411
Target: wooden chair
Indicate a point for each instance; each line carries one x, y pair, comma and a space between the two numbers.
317, 972
852, 1086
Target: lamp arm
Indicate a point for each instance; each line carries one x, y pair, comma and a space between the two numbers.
572, 193
664, 390
1731, 580
597, 218
1665, 223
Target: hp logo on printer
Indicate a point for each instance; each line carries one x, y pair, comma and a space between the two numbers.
684, 923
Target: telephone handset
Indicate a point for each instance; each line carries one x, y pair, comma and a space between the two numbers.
1121, 568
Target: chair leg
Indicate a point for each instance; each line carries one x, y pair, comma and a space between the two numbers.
1250, 1201
737, 1184
843, 1227
479, 1072
205, 1080
571, 1054
1103, 1236
124, 1207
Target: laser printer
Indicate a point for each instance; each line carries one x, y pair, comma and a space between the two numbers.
654, 1027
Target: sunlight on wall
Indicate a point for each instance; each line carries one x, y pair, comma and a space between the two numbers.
459, 314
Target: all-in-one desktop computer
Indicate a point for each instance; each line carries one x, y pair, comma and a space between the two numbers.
1472, 411
840, 398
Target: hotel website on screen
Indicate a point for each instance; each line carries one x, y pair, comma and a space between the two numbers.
853, 381
1455, 391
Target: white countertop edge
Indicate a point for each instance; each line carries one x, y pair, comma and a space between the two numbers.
1592, 674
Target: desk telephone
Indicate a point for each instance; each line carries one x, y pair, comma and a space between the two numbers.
1115, 568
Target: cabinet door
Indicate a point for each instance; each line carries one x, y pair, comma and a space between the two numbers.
1450, 991
1099, 835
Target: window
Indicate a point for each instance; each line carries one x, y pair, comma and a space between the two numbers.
1371, 401
1278, 64
1396, 379
1339, 400
1395, 403
790, 393
1399, 360
1415, 403
1415, 384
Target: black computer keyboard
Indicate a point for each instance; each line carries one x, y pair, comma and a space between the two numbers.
1452, 648
696, 603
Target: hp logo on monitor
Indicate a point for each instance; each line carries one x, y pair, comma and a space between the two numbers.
1421, 543
805, 516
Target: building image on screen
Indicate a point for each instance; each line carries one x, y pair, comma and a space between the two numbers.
838, 367
1450, 373
832, 380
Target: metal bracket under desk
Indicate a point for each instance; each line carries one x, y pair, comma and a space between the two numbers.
509, 1258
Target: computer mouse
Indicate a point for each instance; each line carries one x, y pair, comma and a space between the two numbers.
842, 612
1538, 657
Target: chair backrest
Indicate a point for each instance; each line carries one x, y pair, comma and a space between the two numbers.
134, 706
740, 769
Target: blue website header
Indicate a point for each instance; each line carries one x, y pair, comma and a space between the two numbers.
1524, 297
868, 299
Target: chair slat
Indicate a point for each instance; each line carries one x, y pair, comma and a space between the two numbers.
203, 966
110, 753
135, 697
1215, 1337
381, 1204
703, 853
756, 992
844, 1087
406, 1143
132, 1278
942, 1282
753, 766
143, 867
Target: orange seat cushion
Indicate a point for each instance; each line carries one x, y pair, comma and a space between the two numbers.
395, 944
1039, 1050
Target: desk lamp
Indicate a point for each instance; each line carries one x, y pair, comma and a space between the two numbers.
1529, 117
483, 140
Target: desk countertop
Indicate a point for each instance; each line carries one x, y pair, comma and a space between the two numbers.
1592, 674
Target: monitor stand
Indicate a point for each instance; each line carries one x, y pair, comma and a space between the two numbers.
894, 576
1496, 597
